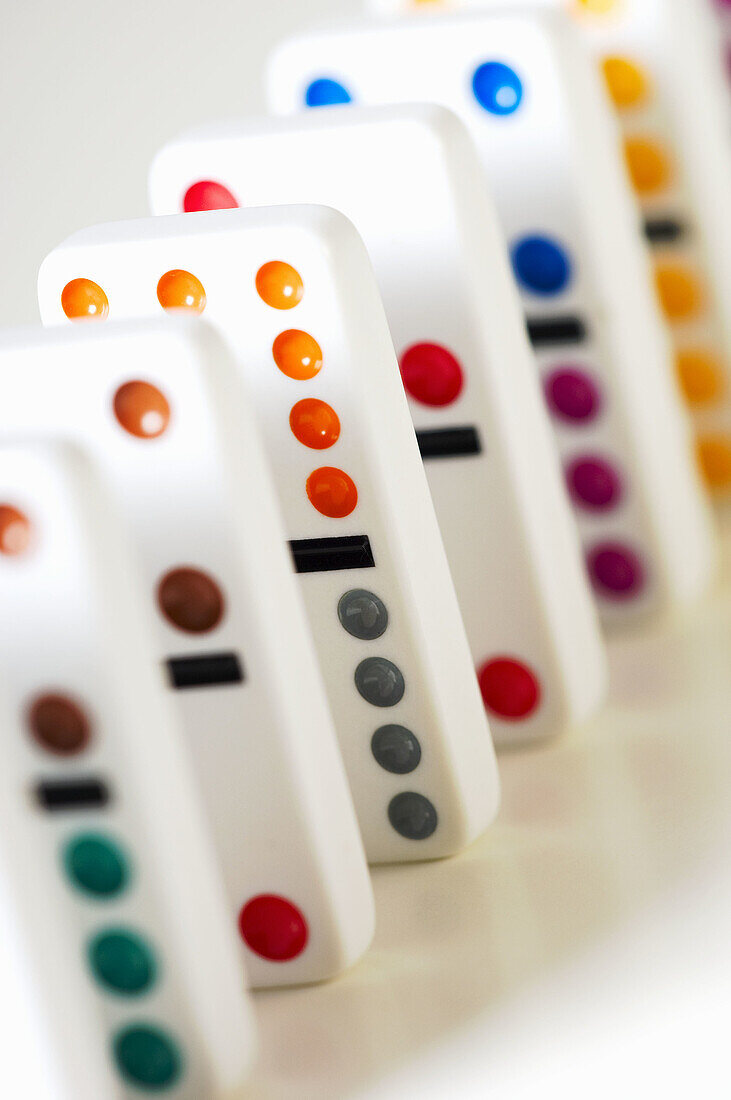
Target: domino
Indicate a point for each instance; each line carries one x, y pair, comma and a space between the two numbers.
157, 405
546, 137
105, 855
292, 292
410, 180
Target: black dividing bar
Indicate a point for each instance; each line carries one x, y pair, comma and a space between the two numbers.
556, 330
325, 555
663, 230
447, 442
209, 670
72, 794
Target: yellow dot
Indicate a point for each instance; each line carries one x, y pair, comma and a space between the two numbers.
648, 164
680, 292
628, 86
714, 453
597, 7
701, 376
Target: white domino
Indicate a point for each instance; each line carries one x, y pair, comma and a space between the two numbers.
410, 179
158, 406
109, 873
292, 291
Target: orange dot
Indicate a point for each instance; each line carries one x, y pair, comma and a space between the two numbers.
700, 375
628, 86
15, 531
332, 492
315, 423
648, 164
141, 409
297, 354
279, 285
83, 300
180, 290
680, 292
714, 452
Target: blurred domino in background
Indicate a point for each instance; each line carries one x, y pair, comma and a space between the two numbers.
547, 140
410, 180
105, 856
157, 406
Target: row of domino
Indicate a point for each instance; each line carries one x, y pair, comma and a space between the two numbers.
153, 469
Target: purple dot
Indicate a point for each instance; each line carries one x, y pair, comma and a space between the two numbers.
615, 570
593, 482
571, 394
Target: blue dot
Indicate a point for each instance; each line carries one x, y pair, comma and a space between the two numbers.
325, 92
541, 265
497, 88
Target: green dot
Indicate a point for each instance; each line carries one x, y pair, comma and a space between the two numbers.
148, 1057
122, 961
96, 865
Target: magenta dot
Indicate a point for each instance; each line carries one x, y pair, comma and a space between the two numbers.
571, 394
615, 571
593, 482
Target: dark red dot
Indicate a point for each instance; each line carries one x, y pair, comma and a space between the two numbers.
431, 374
273, 928
571, 394
208, 195
509, 688
615, 570
593, 482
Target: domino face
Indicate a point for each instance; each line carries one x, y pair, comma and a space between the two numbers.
103, 843
456, 320
292, 292
157, 406
547, 141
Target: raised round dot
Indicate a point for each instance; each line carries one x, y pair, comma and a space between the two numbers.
122, 962
96, 865
412, 815
431, 374
314, 423
148, 1057
326, 92
180, 289
616, 571
681, 295
510, 689
380, 682
497, 88
190, 600
15, 531
363, 614
141, 409
714, 454
279, 285
84, 300
701, 376
273, 927
648, 165
396, 749
208, 195
627, 83
297, 354
332, 492
541, 265
58, 724
571, 394
593, 482
597, 7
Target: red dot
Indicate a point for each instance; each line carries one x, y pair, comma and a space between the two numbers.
509, 688
431, 374
273, 928
208, 195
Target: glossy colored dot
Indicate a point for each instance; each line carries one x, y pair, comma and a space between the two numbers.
273, 927
509, 688
279, 285
572, 394
142, 409
148, 1057
180, 290
59, 725
190, 600
431, 374
541, 265
680, 292
701, 376
396, 749
122, 962
363, 614
297, 354
616, 571
714, 453
208, 195
332, 492
84, 300
412, 815
380, 682
326, 92
648, 164
593, 482
96, 865
628, 86
497, 88
315, 423
597, 7
15, 531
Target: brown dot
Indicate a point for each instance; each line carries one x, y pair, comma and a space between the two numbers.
59, 725
141, 409
15, 531
190, 600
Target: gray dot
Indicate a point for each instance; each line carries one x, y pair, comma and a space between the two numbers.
396, 749
380, 682
363, 614
412, 815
